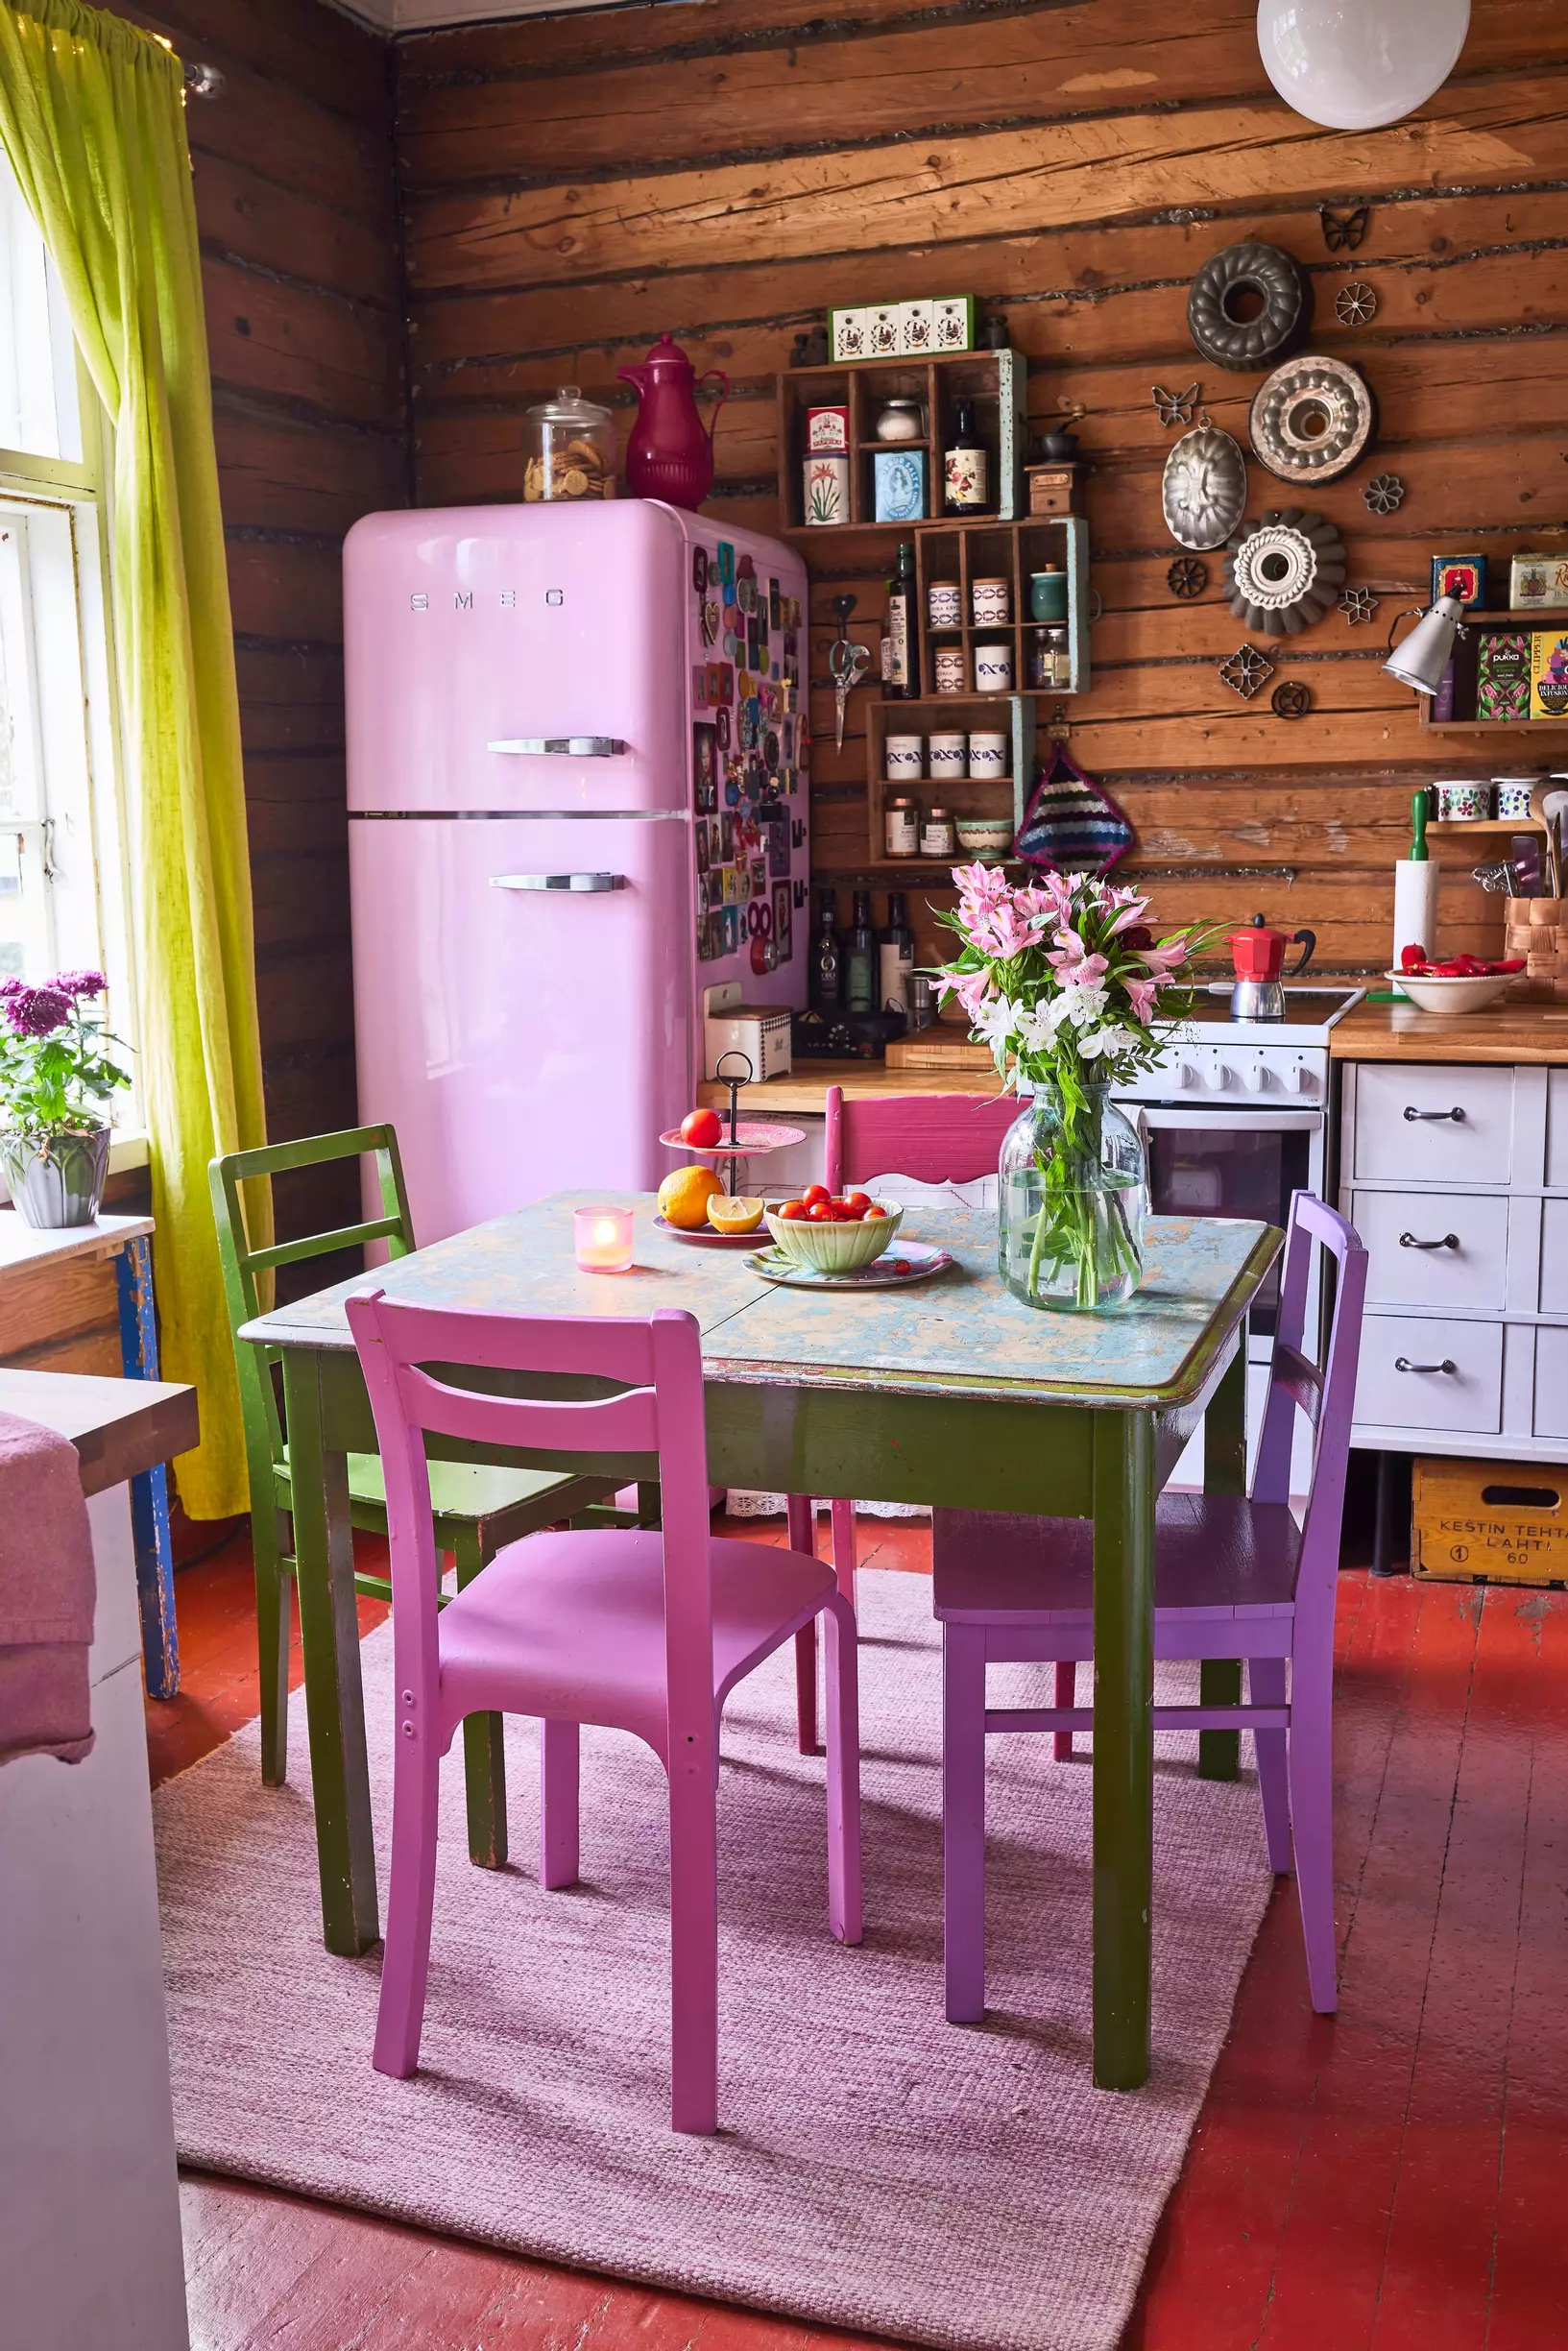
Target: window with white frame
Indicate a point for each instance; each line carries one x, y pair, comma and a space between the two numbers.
63, 872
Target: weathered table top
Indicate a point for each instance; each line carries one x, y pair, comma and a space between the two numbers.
959, 1334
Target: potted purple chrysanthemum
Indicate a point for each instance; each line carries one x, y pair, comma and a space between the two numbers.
55, 1073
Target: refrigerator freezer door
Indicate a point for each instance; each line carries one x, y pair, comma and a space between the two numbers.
523, 1004
517, 657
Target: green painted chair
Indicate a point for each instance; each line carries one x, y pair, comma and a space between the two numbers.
477, 1510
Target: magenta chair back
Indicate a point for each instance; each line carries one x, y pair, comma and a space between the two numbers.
643, 1630
935, 1138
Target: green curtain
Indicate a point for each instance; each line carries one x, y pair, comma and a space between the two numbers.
92, 119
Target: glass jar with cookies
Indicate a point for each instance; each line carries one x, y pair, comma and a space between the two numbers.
569, 448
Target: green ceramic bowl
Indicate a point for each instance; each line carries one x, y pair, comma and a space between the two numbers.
835, 1248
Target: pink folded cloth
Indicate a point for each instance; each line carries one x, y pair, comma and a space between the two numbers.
47, 1593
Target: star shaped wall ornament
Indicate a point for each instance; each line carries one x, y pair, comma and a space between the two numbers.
1356, 304
1246, 670
1358, 604
1187, 577
1385, 493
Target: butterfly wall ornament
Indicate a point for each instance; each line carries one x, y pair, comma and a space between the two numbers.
1176, 407
1343, 231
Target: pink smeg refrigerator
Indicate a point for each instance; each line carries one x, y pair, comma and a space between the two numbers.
577, 796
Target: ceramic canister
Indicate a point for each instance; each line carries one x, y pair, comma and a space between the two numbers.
988, 755
993, 669
991, 601
1512, 794
947, 756
948, 662
826, 489
1047, 594
904, 757
1463, 802
944, 604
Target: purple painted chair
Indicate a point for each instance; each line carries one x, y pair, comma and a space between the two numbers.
1233, 1577
935, 1138
645, 1631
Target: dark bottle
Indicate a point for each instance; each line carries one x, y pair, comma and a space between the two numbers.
966, 466
826, 971
861, 959
901, 680
895, 958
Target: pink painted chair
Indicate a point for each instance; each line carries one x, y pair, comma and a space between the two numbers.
935, 1138
645, 1631
1233, 1577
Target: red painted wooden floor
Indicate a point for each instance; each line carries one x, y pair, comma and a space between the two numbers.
1395, 2178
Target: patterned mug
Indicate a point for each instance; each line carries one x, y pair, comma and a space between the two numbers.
947, 756
993, 669
1512, 796
1463, 803
904, 757
948, 662
988, 755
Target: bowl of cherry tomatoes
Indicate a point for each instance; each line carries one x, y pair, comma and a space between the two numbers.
835, 1233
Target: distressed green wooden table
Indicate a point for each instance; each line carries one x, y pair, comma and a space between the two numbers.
950, 1392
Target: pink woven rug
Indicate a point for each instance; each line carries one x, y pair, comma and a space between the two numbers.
878, 2168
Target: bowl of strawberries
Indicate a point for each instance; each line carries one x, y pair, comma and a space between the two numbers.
833, 1233
1455, 984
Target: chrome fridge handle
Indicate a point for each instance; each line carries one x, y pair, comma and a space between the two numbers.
564, 746
586, 885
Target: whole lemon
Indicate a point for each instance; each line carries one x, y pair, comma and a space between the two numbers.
683, 1196
738, 1215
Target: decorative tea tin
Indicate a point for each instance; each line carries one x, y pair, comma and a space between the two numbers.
991, 601
899, 485
948, 664
826, 489
828, 428
1463, 577
1539, 583
994, 668
944, 604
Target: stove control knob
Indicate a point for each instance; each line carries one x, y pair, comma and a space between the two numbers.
1186, 1076
1217, 1076
1303, 1082
1257, 1078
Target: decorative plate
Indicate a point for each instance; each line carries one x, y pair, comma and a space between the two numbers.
706, 1237
882, 1273
1203, 493
751, 1135
1313, 420
1284, 572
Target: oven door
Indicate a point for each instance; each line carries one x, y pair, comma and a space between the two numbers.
1244, 1162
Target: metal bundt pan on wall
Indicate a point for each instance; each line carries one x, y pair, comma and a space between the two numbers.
1313, 420
1203, 493
1285, 571
1231, 282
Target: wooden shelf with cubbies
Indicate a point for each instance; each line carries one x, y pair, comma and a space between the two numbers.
1013, 552
1527, 620
993, 381
997, 796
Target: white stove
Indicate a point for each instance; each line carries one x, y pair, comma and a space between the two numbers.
1237, 1115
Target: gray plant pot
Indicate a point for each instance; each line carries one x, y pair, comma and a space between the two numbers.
56, 1179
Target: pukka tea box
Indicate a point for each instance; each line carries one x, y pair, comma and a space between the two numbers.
1537, 583
1503, 674
1549, 674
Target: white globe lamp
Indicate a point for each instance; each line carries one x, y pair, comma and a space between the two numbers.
1356, 64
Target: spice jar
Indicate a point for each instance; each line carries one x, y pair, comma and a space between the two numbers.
901, 826
938, 835
569, 448
900, 420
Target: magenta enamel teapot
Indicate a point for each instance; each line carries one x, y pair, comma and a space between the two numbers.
670, 454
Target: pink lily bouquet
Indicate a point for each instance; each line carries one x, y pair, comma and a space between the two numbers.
1067, 985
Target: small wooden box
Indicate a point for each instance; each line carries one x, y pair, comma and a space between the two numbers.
939, 1049
1489, 1521
1052, 489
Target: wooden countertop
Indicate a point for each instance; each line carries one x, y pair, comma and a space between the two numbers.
806, 1088
1505, 1032
119, 1427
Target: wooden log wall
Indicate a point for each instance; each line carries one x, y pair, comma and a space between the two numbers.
572, 185
298, 218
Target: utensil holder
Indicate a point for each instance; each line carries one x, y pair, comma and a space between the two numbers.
1535, 928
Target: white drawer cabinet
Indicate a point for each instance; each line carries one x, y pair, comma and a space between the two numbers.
1444, 1251
1455, 1176
1432, 1122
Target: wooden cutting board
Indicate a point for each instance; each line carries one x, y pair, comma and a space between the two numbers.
929, 1049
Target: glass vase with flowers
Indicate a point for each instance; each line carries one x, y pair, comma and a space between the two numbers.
57, 1076
1067, 985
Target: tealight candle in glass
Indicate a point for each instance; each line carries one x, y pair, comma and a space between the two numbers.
603, 1238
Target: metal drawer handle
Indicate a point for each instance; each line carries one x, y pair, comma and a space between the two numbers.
1403, 1363
585, 884
1448, 1241
564, 746
1457, 1116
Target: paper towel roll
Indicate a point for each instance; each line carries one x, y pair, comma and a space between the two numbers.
1416, 907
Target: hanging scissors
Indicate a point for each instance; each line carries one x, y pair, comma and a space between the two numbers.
847, 664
